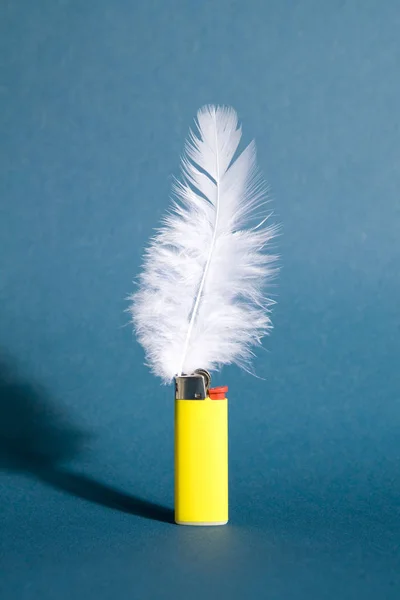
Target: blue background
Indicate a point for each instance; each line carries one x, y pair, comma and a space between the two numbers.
96, 100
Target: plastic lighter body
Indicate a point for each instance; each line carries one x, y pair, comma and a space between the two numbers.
201, 456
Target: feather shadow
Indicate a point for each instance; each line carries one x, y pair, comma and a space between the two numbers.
36, 439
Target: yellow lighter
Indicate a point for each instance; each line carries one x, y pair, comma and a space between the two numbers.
201, 451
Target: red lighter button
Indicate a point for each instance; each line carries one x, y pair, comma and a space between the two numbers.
218, 393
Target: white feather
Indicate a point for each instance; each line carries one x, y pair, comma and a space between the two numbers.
201, 299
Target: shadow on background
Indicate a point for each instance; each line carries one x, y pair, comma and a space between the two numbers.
37, 440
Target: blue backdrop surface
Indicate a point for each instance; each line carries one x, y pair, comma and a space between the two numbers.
96, 99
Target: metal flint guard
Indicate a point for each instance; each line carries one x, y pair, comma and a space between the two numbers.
192, 387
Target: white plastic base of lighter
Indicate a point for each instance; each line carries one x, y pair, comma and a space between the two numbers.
197, 524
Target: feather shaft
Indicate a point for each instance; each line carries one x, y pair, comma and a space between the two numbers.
207, 266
